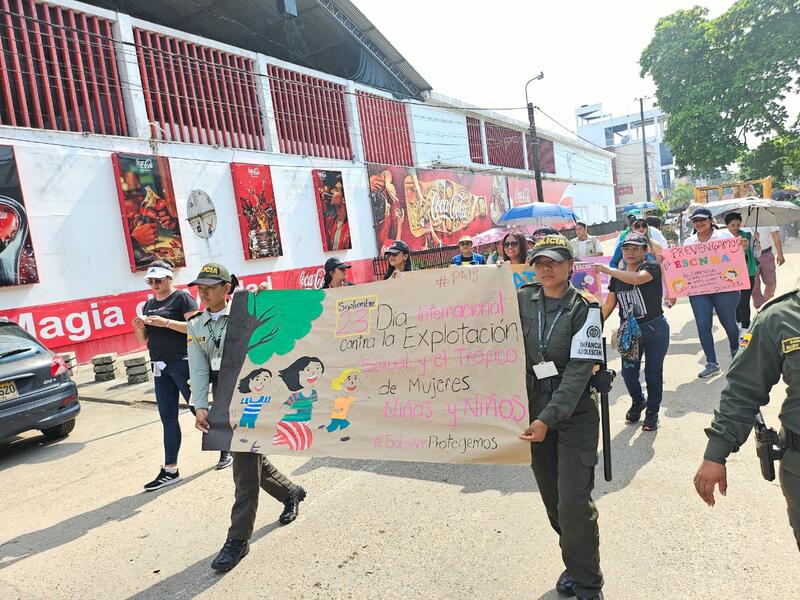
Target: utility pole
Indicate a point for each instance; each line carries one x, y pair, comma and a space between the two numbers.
534, 141
644, 150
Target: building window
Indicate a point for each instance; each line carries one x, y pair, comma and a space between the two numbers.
547, 157
197, 94
474, 138
504, 146
384, 130
310, 115
58, 70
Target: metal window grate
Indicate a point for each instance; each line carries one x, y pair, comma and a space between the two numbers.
504, 146
58, 70
197, 94
474, 139
384, 130
310, 115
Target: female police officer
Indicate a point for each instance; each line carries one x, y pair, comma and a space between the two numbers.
563, 342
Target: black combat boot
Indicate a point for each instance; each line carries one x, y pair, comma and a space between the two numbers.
292, 505
565, 585
232, 552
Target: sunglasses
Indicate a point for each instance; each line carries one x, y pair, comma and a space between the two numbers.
640, 226
155, 281
465, 243
510, 244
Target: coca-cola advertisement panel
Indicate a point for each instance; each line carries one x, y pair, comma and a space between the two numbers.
432, 208
522, 190
258, 216
149, 211
17, 261
332, 210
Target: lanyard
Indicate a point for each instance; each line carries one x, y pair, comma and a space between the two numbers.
217, 340
543, 341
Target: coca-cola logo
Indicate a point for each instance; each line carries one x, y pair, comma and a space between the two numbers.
144, 163
253, 172
313, 280
456, 208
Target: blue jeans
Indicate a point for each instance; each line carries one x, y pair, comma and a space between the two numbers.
174, 380
703, 307
653, 346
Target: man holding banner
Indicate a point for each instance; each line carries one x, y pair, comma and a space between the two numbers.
563, 332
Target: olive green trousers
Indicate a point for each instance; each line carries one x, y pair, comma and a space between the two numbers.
564, 465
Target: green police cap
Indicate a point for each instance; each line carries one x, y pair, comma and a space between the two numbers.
212, 274
554, 247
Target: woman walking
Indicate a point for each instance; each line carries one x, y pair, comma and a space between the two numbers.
163, 328
399, 257
705, 305
514, 249
335, 274
636, 290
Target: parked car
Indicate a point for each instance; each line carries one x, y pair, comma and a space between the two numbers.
36, 391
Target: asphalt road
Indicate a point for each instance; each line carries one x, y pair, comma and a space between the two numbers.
75, 523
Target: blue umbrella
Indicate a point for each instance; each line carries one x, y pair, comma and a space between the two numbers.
538, 213
640, 206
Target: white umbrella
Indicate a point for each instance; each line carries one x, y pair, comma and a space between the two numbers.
757, 212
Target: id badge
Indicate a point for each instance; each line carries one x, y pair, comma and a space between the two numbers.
545, 370
216, 362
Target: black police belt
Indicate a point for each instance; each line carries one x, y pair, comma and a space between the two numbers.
790, 439
548, 385
213, 376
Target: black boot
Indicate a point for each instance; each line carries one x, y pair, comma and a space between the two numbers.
565, 585
292, 505
232, 552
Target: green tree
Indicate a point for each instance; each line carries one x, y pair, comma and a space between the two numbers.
722, 81
280, 318
681, 195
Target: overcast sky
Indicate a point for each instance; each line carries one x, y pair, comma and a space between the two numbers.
484, 52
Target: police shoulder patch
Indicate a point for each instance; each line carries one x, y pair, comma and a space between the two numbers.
790, 345
194, 316
745, 341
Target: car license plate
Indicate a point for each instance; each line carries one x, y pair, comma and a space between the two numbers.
8, 391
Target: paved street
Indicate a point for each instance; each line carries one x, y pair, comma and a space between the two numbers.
76, 525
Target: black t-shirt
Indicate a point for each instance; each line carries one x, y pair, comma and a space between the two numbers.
162, 342
643, 301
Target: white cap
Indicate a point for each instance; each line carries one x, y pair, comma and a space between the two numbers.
158, 273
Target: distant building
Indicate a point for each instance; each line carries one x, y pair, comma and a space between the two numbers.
629, 177
611, 131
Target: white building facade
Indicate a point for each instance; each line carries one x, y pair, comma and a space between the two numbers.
295, 121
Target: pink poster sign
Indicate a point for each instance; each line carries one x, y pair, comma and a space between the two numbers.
705, 268
584, 277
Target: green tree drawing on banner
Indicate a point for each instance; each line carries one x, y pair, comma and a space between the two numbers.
281, 317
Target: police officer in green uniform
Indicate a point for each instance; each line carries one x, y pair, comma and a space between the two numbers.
206, 337
771, 349
563, 342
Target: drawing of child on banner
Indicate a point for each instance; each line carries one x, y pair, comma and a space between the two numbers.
255, 385
300, 378
349, 380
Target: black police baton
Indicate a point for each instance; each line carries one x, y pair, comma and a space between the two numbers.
601, 382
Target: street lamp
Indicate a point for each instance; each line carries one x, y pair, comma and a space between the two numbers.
535, 140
